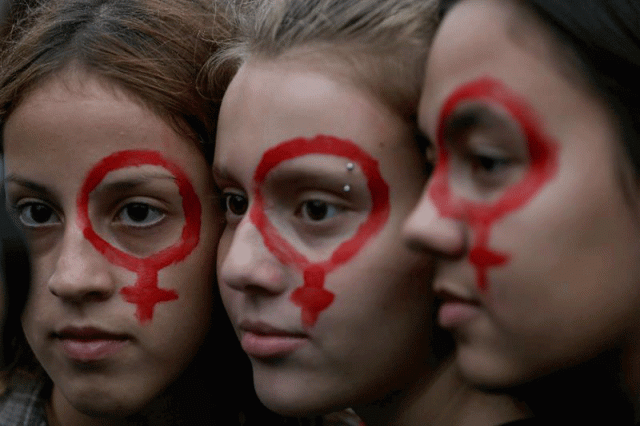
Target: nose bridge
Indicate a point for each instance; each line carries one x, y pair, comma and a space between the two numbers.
80, 270
427, 229
248, 264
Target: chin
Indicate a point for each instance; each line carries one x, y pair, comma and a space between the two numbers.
293, 397
490, 372
102, 404
296, 405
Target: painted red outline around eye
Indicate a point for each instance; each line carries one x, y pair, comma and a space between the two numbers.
543, 158
145, 294
312, 297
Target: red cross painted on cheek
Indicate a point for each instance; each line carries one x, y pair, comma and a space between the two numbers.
312, 297
480, 217
145, 294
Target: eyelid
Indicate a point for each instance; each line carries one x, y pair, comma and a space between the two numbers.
16, 211
230, 216
496, 125
119, 221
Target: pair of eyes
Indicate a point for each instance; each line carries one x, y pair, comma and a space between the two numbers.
235, 205
35, 214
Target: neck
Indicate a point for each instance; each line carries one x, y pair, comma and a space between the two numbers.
442, 398
594, 392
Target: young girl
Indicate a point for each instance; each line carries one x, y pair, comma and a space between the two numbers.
106, 144
533, 206
318, 164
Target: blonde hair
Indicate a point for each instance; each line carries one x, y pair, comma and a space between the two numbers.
384, 43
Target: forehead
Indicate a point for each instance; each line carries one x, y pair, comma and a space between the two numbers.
480, 37
78, 118
269, 102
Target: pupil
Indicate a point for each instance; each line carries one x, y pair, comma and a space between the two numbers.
40, 213
317, 210
138, 212
487, 163
237, 204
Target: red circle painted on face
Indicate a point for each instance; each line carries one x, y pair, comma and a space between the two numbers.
312, 297
543, 153
145, 293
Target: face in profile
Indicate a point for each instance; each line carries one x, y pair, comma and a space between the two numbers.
317, 177
119, 213
537, 245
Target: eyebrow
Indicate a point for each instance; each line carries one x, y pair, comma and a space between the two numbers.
472, 116
484, 115
35, 187
130, 183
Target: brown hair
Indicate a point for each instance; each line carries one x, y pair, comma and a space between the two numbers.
383, 43
153, 49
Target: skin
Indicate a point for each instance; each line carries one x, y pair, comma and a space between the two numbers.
356, 352
53, 139
569, 289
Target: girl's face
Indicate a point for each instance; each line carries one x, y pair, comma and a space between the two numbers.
317, 178
118, 210
538, 247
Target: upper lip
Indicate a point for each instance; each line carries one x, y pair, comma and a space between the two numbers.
261, 328
89, 333
451, 296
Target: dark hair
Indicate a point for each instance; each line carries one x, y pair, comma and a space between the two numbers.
604, 39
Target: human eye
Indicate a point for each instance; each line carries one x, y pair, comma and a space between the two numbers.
36, 214
317, 210
489, 167
234, 205
139, 215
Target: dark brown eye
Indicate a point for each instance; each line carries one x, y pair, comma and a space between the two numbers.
36, 214
235, 203
140, 215
41, 213
138, 212
317, 210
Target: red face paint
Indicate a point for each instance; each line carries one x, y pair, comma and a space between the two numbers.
481, 216
145, 293
312, 297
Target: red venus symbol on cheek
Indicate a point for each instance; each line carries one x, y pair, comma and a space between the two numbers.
482, 216
145, 293
312, 297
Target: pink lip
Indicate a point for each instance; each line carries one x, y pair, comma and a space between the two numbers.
455, 311
86, 344
260, 340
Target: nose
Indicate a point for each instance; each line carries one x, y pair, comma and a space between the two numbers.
80, 273
246, 264
427, 230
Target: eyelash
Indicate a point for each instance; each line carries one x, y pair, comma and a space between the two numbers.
235, 206
326, 207
233, 211
138, 223
26, 208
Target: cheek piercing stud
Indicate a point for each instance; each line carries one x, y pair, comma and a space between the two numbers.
350, 167
346, 188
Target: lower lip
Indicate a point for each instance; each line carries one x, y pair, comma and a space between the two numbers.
91, 350
270, 346
454, 314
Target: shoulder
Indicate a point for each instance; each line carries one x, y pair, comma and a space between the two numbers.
22, 402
